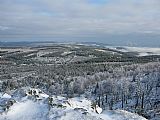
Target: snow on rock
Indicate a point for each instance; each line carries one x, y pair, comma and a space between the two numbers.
5, 95
73, 115
80, 103
43, 95
18, 94
37, 93
80, 109
121, 115
27, 110
98, 109
61, 108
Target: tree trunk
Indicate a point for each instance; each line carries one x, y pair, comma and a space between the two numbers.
111, 105
122, 100
106, 98
136, 105
99, 101
142, 105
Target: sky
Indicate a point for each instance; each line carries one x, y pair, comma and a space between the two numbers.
108, 21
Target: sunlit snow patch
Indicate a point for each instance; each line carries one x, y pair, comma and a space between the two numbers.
27, 110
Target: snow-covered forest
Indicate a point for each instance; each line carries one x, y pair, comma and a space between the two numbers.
75, 81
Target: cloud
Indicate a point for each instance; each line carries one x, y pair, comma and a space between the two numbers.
3, 28
79, 17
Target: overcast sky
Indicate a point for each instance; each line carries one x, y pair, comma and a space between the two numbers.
80, 20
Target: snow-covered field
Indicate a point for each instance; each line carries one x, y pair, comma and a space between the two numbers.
141, 51
78, 108
17, 49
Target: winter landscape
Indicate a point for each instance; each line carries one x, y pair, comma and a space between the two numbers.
79, 59
60, 81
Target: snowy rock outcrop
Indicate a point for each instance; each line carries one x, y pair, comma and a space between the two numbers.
60, 108
98, 109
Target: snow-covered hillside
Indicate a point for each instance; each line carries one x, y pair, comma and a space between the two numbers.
29, 107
